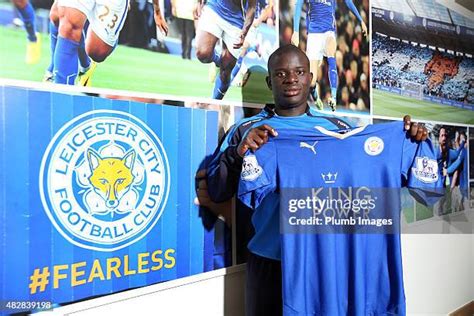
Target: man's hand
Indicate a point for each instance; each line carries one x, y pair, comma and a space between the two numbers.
197, 10
160, 22
241, 41
417, 131
295, 39
364, 29
223, 209
255, 139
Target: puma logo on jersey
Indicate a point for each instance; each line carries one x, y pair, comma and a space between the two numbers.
310, 147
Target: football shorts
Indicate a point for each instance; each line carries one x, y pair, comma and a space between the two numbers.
106, 17
211, 22
316, 44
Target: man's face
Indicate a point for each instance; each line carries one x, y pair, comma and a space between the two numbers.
442, 137
363, 84
290, 80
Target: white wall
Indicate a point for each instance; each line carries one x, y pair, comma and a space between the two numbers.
219, 292
438, 272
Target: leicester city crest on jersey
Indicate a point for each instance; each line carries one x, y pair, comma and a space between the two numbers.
104, 180
250, 168
373, 146
426, 169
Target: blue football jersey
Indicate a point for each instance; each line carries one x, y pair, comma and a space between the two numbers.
321, 16
266, 241
356, 273
232, 12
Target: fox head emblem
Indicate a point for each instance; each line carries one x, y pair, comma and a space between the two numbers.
111, 178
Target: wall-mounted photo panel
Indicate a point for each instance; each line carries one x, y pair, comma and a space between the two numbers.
422, 61
98, 194
187, 49
471, 167
334, 35
451, 147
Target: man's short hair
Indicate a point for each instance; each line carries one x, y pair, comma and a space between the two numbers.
283, 50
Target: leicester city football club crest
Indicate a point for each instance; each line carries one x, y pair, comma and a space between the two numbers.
104, 180
373, 146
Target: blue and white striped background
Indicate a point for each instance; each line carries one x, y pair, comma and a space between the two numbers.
28, 121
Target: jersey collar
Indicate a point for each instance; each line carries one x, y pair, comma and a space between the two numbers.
338, 135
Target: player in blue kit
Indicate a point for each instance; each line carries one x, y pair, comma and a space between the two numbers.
226, 20
264, 10
321, 27
105, 19
450, 160
327, 269
27, 15
86, 65
289, 79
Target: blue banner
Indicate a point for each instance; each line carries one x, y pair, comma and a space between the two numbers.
388, 89
96, 195
428, 98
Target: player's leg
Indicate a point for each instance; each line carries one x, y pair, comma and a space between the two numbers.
106, 20
222, 83
86, 65
207, 34
84, 59
27, 14
96, 48
314, 51
53, 37
332, 67
189, 31
314, 66
250, 45
229, 56
206, 52
71, 24
206, 48
240, 60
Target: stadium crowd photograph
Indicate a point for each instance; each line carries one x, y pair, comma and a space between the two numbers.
422, 60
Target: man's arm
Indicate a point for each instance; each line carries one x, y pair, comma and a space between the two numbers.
198, 8
458, 162
159, 19
249, 17
295, 38
353, 9
222, 210
223, 172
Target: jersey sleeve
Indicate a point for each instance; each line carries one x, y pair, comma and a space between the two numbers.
258, 176
454, 165
224, 168
420, 171
354, 10
223, 171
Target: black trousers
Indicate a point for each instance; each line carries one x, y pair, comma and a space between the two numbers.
263, 295
186, 28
